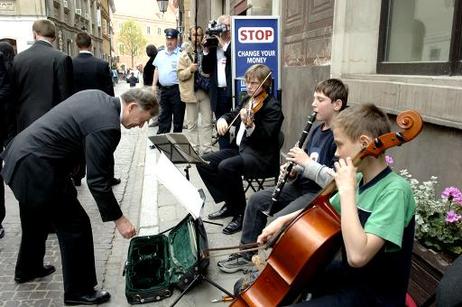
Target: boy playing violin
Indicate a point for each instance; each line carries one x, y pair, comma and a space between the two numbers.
257, 147
377, 220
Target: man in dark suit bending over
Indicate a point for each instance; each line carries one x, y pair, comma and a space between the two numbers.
38, 165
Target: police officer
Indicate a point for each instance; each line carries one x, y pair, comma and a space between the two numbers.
165, 74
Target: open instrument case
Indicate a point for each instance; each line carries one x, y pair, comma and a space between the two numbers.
156, 264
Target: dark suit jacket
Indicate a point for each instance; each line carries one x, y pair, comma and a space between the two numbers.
92, 73
148, 72
42, 78
209, 66
5, 102
88, 119
263, 142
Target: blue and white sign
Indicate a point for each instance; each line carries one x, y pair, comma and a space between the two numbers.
255, 41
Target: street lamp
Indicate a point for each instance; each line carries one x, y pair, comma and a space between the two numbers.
163, 4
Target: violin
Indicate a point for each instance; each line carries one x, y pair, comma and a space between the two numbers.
306, 245
253, 105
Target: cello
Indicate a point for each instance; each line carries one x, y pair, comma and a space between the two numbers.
291, 265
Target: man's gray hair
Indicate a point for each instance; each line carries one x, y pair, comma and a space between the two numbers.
144, 98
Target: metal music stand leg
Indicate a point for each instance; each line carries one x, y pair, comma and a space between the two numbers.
186, 171
200, 277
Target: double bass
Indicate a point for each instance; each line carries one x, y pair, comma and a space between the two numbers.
311, 239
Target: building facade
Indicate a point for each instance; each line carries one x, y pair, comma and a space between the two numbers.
410, 61
70, 17
146, 14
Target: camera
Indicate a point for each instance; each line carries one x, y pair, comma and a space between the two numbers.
213, 28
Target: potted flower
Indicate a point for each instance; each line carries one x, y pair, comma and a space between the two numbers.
438, 234
438, 217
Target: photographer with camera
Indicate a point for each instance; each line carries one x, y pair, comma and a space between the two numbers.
217, 63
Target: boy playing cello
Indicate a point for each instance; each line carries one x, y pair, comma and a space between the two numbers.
377, 220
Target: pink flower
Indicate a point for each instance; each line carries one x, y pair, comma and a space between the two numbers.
452, 217
389, 160
453, 194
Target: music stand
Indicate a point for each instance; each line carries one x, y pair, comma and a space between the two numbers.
177, 148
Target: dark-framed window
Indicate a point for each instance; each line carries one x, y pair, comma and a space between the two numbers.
420, 37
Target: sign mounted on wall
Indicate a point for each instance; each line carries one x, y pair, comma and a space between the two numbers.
255, 40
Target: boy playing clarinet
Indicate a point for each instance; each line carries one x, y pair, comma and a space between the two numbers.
313, 165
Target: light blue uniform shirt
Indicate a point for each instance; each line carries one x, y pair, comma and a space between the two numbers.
166, 65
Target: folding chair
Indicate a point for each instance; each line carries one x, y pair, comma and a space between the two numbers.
257, 182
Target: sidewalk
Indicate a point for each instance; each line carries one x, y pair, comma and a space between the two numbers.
168, 213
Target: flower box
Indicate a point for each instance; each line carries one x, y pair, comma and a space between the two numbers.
427, 270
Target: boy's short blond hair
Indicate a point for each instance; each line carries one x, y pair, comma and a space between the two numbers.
365, 119
44, 27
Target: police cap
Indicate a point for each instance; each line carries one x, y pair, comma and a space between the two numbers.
171, 33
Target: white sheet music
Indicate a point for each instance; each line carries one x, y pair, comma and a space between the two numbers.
178, 185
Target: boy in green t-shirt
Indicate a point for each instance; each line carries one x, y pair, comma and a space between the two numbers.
377, 220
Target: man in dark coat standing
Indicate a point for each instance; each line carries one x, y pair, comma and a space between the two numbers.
89, 73
217, 63
42, 76
38, 165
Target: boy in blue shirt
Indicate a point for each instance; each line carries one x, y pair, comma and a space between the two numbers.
377, 220
313, 164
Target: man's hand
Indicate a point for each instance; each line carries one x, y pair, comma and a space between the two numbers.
193, 67
125, 227
222, 126
221, 41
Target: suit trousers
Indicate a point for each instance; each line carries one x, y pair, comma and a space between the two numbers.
2, 194
223, 178
171, 106
292, 198
223, 106
52, 197
200, 136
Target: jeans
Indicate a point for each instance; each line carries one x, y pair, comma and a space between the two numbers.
292, 198
224, 104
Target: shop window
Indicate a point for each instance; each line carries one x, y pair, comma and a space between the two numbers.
420, 37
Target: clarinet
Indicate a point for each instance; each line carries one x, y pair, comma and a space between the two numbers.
282, 180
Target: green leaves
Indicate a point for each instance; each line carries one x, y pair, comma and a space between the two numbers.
131, 40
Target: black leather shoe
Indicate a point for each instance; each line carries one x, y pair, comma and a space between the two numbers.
221, 214
45, 271
234, 226
92, 298
115, 181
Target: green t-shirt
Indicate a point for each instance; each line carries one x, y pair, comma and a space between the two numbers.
385, 207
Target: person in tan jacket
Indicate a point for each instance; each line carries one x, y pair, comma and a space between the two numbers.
196, 99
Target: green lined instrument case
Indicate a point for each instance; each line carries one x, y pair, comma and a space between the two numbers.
156, 264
